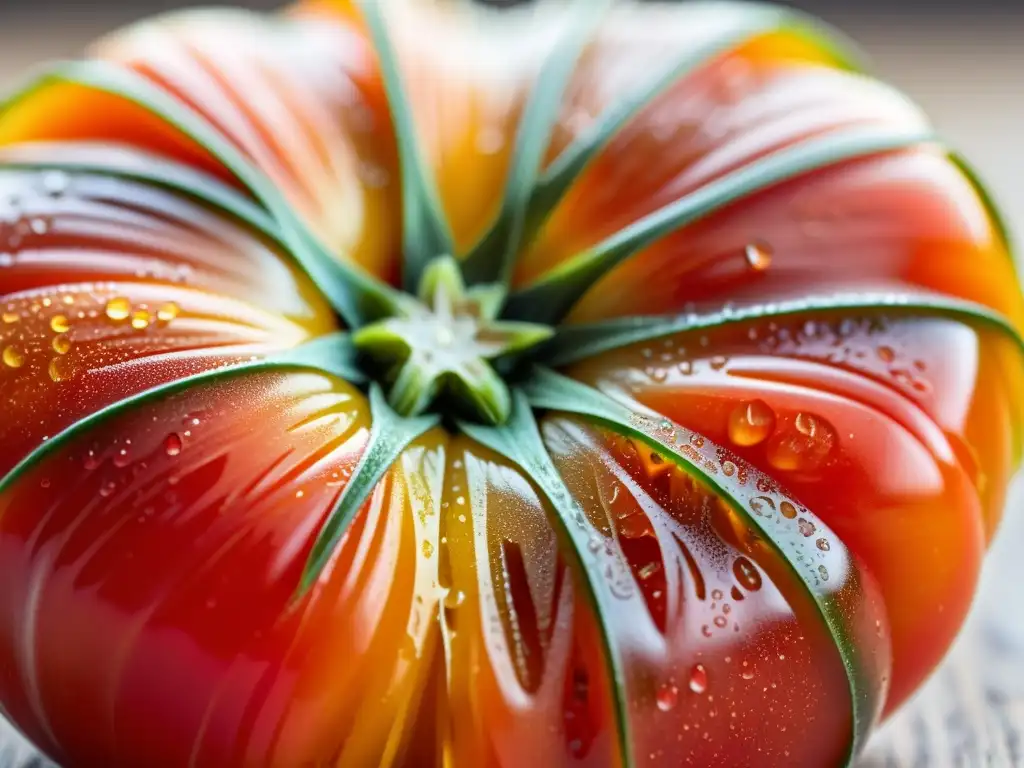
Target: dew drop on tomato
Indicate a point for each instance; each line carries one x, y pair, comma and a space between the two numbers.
807, 528
751, 423
141, 320
168, 312
118, 309
60, 368
698, 679
804, 446
173, 444
758, 256
746, 574
668, 697
13, 357
61, 344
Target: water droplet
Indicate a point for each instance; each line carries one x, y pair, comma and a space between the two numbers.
788, 510
807, 424
141, 319
718, 362
759, 256
746, 574
763, 506
168, 312
720, 622
10, 318
119, 309
61, 369
698, 679
173, 444
61, 344
823, 572
823, 544
807, 528
55, 183
91, 461
107, 489
668, 697
649, 570
728, 468
886, 354
685, 367
39, 226
13, 357
805, 446
751, 423
60, 324
428, 548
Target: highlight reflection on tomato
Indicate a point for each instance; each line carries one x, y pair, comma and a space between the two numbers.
417, 384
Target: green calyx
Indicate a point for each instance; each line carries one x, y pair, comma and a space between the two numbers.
440, 347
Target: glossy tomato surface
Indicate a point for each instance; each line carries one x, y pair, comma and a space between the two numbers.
733, 508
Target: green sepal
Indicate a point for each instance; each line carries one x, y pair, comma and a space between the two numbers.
425, 229
573, 343
492, 259
333, 354
749, 22
350, 290
693, 454
390, 435
444, 343
551, 298
519, 441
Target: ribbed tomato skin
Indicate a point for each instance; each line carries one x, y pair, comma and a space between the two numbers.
152, 545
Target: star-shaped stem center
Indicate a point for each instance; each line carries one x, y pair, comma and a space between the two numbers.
440, 346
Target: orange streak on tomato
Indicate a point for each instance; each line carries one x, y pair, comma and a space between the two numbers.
86, 114
322, 136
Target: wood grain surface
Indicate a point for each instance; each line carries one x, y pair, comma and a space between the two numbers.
969, 75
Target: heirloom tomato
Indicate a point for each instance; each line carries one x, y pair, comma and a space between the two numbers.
413, 383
